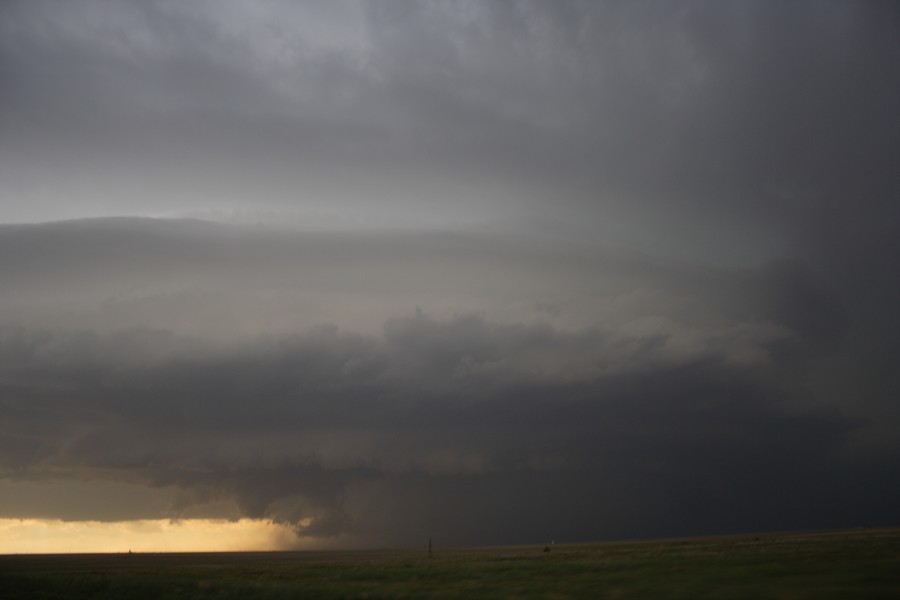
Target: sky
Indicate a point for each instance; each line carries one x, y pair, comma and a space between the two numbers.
346, 274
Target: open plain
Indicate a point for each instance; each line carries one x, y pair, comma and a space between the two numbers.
841, 564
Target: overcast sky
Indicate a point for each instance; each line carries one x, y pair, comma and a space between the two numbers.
492, 272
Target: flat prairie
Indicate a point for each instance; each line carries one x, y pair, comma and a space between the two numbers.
836, 564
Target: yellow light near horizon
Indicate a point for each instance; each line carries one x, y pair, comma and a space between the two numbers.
46, 536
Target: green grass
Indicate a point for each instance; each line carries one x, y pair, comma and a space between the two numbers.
848, 564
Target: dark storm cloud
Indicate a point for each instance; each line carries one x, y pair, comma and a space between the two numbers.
306, 429
676, 313
685, 408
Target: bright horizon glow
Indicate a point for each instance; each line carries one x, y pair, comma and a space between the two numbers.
53, 536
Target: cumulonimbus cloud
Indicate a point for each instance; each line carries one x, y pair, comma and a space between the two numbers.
317, 426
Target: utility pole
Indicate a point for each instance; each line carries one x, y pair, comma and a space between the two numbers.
430, 553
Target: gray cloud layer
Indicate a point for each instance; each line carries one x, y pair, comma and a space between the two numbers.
652, 398
652, 123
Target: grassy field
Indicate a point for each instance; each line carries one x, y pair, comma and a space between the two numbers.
845, 564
